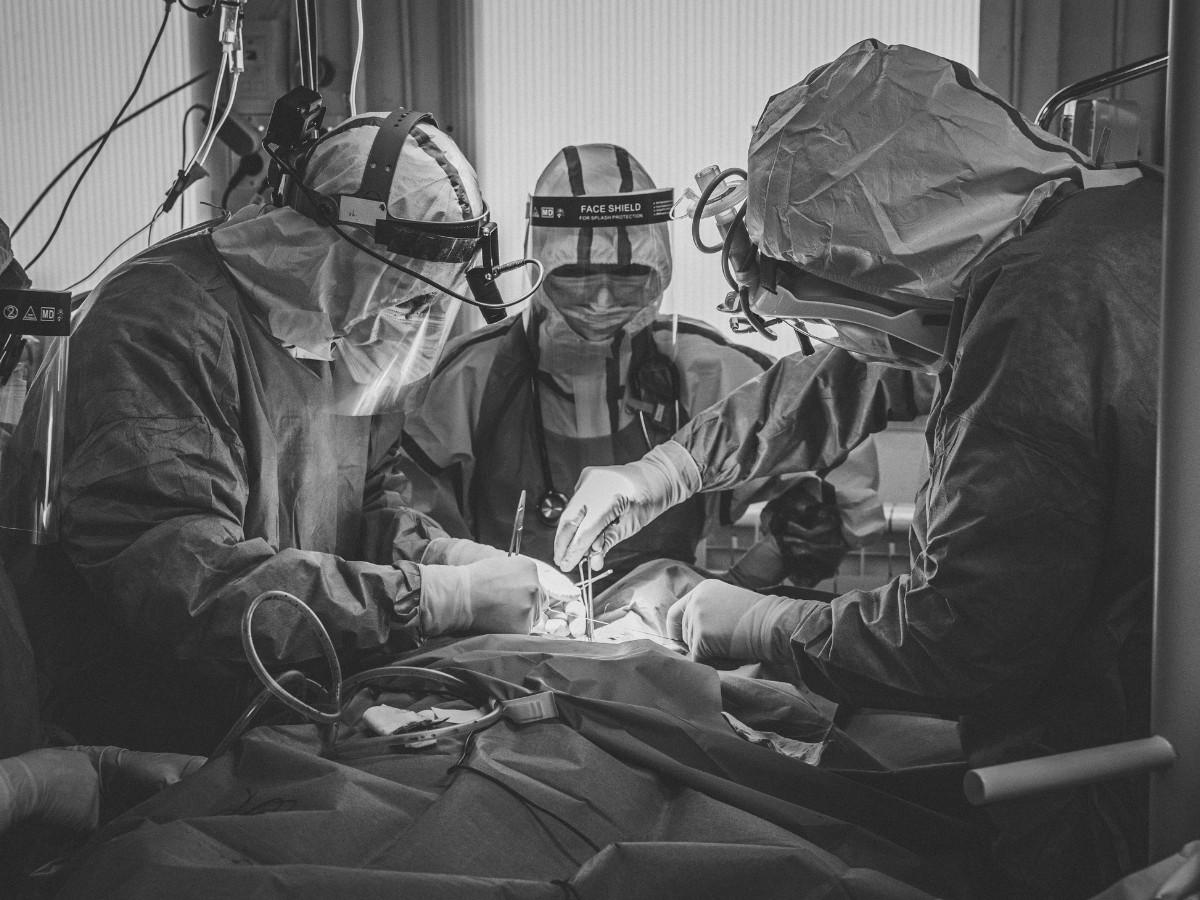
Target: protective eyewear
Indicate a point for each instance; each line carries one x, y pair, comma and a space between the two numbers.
580, 286
911, 335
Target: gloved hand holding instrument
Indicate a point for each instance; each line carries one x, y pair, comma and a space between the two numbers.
515, 575
611, 503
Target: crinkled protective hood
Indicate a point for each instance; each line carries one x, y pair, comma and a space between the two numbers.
596, 169
310, 286
894, 171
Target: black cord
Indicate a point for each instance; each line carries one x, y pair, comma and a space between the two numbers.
315, 199
202, 13
702, 201
186, 115
104, 140
80, 155
727, 244
250, 164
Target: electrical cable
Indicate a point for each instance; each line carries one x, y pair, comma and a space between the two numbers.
251, 164
289, 700
82, 153
210, 129
737, 220
183, 156
202, 13
702, 201
315, 198
233, 62
111, 128
154, 218
113, 252
358, 53
306, 36
261, 700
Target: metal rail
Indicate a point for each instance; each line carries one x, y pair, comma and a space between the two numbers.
1174, 810
1063, 770
1097, 83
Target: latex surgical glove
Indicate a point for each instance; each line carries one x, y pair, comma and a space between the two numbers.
127, 777
559, 590
447, 551
493, 596
719, 621
611, 503
66, 786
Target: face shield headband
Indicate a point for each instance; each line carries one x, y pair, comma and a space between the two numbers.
576, 290
600, 211
911, 335
293, 133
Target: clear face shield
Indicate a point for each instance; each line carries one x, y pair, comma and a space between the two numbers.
34, 326
382, 355
910, 335
589, 244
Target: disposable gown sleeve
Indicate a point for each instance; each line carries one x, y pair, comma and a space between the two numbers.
395, 531
156, 484
805, 413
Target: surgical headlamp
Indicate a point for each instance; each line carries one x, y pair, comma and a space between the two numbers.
295, 130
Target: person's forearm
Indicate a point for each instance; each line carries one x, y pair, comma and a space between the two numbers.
803, 414
183, 586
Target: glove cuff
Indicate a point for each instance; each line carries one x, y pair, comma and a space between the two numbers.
672, 461
445, 551
445, 599
770, 624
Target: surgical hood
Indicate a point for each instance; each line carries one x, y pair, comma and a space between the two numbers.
894, 172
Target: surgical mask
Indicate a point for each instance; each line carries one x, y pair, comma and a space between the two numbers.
597, 301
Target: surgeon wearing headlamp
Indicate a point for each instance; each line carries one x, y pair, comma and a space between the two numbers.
904, 212
222, 403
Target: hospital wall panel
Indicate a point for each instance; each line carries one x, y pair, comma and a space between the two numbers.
679, 83
65, 70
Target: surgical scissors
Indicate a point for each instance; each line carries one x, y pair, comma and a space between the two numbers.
514, 543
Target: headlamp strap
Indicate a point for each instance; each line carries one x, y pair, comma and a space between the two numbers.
385, 153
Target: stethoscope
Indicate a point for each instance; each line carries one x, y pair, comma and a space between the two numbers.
552, 502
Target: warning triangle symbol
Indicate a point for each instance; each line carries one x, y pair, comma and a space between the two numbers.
29, 316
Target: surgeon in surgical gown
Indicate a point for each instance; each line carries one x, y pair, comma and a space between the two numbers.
593, 373
222, 394
905, 212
